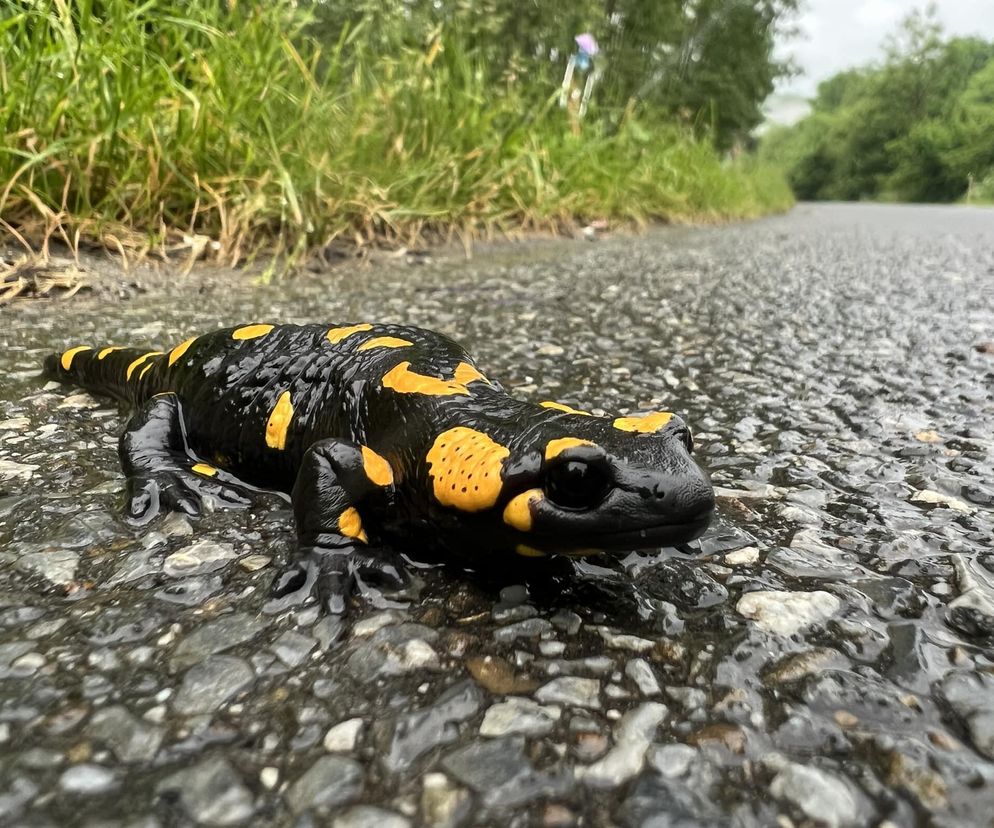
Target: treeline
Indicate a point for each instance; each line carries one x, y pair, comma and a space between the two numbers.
919, 127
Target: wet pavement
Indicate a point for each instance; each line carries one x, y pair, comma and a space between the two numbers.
824, 657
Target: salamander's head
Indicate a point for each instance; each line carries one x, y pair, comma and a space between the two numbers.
570, 483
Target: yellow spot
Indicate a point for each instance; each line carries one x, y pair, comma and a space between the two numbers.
384, 342
204, 469
145, 370
181, 349
350, 525
134, 365
68, 355
466, 373
336, 335
405, 381
377, 469
103, 353
565, 408
518, 513
556, 447
279, 422
465, 466
645, 424
529, 551
251, 331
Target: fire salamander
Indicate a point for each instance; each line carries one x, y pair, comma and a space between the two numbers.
385, 435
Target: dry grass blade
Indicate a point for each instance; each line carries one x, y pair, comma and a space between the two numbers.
35, 276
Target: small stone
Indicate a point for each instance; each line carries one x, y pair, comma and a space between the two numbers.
930, 788
799, 665
590, 746
369, 816
175, 525
330, 781
519, 716
549, 349
933, 498
57, 566
393, 651
87, 779
417, 732
292, 648
558, 816
971, 696
567, 621
845, 719
216, 636
199, 558
618, 641
689, 698
501, 774
28, 663
443, 805
572, 692
269, 777
642, 675
746, 556
672, 761
208, 685
342, 738
368, 626
529, 628
130, 739
499, 676
785, 613
10, 470
211, 792
632, 738
822, 797
253, 563
729, 736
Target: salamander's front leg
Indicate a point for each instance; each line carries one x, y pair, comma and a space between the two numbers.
338, 482
163, 473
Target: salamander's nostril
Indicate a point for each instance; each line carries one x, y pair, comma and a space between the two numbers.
659, 491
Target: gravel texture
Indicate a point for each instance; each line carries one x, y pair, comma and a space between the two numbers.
823, 656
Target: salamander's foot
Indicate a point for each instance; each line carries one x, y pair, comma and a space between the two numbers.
332, 576
181, 490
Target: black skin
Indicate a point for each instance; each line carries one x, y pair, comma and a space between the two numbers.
210, 402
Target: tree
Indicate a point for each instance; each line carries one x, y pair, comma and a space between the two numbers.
914, 128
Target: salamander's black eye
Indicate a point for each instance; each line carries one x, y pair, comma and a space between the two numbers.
576, 485
688, 439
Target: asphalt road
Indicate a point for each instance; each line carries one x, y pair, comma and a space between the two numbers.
824, 657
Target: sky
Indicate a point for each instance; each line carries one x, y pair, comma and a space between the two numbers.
838, 34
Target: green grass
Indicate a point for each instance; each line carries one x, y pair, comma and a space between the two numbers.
143, 121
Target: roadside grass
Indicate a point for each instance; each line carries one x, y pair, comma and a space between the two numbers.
225, 128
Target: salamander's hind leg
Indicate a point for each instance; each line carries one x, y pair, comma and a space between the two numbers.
162, 473
338, 481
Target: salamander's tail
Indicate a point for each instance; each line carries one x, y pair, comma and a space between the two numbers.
123, 373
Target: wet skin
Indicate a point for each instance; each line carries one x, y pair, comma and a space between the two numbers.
383, 434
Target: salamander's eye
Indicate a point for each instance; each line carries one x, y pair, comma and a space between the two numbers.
576, 485
688, 439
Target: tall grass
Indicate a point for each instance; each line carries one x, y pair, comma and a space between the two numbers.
228, 120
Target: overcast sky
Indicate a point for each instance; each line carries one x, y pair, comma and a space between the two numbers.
838, 34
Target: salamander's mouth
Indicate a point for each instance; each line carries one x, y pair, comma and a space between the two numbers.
664, 534
629, 540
